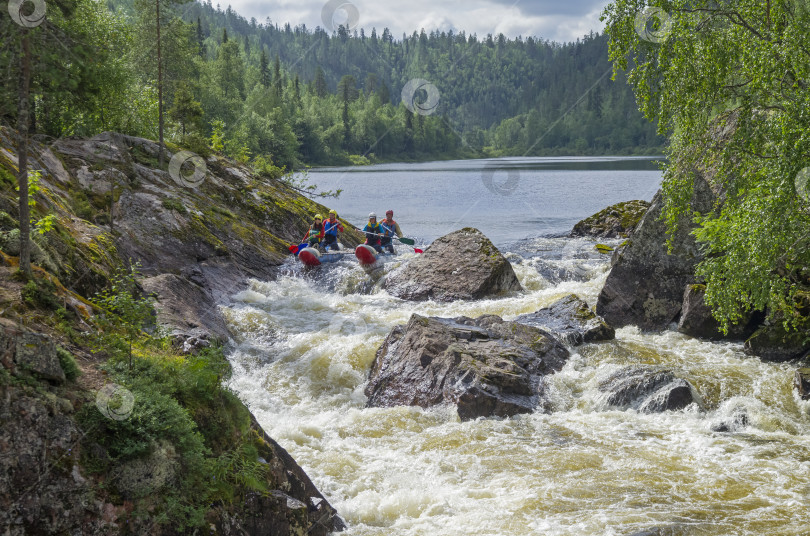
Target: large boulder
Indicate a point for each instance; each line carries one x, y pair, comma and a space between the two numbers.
646, 282
647, 390
571, 320
463, 265
697, 320
616, 221
486, 366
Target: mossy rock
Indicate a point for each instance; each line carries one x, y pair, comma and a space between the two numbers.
774, 343
616, 221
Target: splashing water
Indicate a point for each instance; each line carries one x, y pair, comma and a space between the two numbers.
303, 347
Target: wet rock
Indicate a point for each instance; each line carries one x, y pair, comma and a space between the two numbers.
697, 320
801, 382
773, 343
737, 421
486, 366
647, 390
646, 283
463, 265
296, 508
571, 320
616, 221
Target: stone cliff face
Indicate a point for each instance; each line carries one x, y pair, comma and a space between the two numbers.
646, 282
197, 239
212, 229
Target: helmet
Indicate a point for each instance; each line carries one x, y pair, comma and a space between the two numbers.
389, 212
372, 215
333, 212
318, 217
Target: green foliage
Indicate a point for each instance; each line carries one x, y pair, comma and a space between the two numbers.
40, 292
179, 401
68, 363
124, 314
7, 223
218, 136
264, 167
729, 85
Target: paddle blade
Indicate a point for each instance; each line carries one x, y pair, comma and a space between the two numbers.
409, 241
417, 250
296, 249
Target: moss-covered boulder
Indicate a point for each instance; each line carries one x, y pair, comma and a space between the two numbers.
616, 221
463, 265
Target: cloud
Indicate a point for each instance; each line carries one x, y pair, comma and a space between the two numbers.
549, 19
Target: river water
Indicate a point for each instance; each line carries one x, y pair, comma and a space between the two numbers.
304, 344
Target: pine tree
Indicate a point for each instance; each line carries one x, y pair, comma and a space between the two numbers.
264, 70
200, 39
185, 109
321, 89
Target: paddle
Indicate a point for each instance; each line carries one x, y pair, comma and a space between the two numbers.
407, 241
297, 249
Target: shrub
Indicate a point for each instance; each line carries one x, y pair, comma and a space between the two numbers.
68, 363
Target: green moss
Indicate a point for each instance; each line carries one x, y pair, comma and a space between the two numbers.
171, 203
224, 212
68, 363
603, 249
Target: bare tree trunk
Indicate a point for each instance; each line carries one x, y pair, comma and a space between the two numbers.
160, 87
23, 124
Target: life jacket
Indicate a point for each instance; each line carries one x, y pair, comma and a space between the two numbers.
372, 230
331, 228
315, 230
388, 229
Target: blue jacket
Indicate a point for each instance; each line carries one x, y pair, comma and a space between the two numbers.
372, 230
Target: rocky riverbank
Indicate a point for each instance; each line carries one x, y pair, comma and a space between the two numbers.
69, 463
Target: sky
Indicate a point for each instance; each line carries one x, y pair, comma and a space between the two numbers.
556, 20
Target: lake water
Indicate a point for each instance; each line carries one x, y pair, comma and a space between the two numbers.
508, 199
304, 344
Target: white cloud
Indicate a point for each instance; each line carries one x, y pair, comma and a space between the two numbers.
550, 19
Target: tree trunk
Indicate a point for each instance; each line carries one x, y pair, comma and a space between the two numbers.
160, 87
22, 155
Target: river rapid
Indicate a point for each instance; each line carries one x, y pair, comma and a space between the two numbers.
303, 345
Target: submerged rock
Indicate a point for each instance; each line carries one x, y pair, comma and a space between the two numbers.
486, 366
616, 221
463, 265
734, 423
571, 320
647, 390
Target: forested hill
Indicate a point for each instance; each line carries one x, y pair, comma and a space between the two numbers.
279, 96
